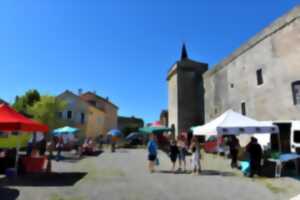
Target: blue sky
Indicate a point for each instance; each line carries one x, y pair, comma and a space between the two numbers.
121, 49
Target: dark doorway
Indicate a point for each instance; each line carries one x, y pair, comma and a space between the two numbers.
285, 136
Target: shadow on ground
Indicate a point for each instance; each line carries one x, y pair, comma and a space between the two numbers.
216, 173
44, 179
9, 194
176, 172
203, 172
75, 159
95, 154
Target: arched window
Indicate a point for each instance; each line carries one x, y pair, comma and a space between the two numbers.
296, 92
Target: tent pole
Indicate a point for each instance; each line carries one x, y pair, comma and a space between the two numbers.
17, 153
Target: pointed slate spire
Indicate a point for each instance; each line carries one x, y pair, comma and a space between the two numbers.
184, 54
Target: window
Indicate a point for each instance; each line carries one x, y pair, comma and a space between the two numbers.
216, 111
243, 108
296, 92
297, 136
92, 102
60, 115
259, 77
69, 114
82, 118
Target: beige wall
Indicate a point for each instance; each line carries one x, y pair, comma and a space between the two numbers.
111, 117
95, 122
110, 110
173, 100
94, 118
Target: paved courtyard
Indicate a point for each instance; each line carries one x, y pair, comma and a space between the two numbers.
123, 176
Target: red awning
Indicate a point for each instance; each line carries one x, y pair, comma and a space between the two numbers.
10, 120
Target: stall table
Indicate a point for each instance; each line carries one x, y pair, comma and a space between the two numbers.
282, 160
35, 164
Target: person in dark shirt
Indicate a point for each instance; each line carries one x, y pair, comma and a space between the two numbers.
173, 154
234, 146
255, 153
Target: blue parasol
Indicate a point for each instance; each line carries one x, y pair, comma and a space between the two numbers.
65, 130
115, 132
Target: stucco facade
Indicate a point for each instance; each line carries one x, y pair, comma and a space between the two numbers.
90, 119
110, 109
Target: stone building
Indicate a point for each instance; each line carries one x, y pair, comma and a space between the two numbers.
92, 119
130, 123
260, 79
110, 109
186, 93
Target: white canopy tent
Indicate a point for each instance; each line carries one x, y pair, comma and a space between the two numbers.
233, 123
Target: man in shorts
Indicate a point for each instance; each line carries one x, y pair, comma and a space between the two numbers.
152, 152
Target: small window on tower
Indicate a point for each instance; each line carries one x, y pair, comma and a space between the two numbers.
243, 108
296, 92
259, 77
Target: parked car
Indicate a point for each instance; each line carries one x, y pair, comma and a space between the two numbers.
214, 144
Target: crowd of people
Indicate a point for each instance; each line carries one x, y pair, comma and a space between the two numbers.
179, 149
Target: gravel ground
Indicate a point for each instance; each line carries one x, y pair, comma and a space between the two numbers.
123, 176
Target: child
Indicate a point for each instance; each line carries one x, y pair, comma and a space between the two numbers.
195, 148
173, 154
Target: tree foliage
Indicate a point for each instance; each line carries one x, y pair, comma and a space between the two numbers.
46, 111
22, 103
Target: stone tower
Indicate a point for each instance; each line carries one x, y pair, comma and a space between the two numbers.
186, 93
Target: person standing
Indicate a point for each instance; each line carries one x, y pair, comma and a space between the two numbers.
173, 154
152, 152
234, 146
196, 156
59, 148
182, 154
255, 153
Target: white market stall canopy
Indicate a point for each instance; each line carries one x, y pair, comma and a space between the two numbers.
233, 123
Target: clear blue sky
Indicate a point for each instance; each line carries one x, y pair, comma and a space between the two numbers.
119, 48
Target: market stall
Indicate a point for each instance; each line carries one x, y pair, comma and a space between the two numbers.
12, 121
232, 123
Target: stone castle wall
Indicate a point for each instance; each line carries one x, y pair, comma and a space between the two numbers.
276, 51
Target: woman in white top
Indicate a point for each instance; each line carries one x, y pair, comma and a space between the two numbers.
196, 156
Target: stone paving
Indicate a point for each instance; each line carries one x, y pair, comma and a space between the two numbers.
123, 176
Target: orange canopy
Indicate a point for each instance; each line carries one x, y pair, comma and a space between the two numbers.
10, 120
